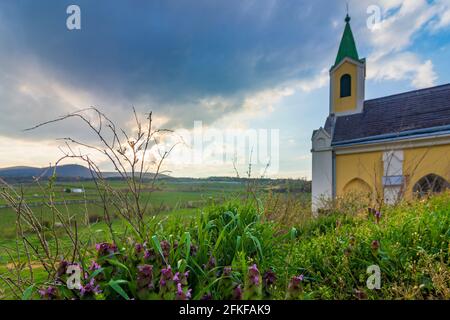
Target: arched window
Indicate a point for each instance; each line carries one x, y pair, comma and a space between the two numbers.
430, 184
359, 191
346, 86
358, 186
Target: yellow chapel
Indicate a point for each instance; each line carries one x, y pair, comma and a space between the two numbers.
385, 149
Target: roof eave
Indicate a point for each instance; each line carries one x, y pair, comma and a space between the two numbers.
433, 131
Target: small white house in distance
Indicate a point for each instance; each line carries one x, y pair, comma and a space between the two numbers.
74, 190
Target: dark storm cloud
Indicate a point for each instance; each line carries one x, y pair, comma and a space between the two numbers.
166, 55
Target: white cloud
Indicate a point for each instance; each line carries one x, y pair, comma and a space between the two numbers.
402, 66
30, 153
395, 31
391, 57
425, 76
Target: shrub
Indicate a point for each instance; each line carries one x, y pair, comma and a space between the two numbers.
217, 255
233, 251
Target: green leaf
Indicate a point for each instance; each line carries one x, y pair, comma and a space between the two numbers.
293, 233
223, 234
119, 265
28, 292
238, 243
206, 289
115, 284
181, 265
257, 245
187, 238
95, 273
158, 247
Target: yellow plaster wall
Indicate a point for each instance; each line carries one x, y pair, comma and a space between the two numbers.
419, 162
367, 167
347, 103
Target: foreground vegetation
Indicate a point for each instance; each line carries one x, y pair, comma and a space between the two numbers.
247, 250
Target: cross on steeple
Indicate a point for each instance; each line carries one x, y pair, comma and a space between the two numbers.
347, 17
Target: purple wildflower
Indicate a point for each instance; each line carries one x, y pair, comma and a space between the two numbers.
167, 272
295, 282
295, 286
237, 292
90, 288
227, 271
105, 249
94, 266
62, 269
166, 277
165, 246
145, 277
375, 213
269, 278
193, 250
253, 288
375, 245
206, 297
378, 216
254, 275
181, 295
49, 293
181, 278
149, 255
211, 263
299, 278
253, 269
138, 248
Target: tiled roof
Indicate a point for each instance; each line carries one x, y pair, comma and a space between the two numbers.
396, 115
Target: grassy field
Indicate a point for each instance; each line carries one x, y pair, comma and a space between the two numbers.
322, 258
168, 197
182, 200
178, 199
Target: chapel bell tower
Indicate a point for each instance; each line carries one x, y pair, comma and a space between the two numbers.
347, 77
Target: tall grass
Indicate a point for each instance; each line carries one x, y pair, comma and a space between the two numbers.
240, 250
413, 255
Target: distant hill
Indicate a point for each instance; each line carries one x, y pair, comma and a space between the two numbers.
63, 171
66, 172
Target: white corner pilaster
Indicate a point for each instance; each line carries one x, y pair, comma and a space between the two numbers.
322, 169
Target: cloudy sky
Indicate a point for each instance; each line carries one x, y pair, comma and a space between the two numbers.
234, 64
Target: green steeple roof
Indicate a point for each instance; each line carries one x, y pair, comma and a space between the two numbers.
347, 48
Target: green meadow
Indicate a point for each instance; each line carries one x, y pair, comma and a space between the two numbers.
168, 197
236, 243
